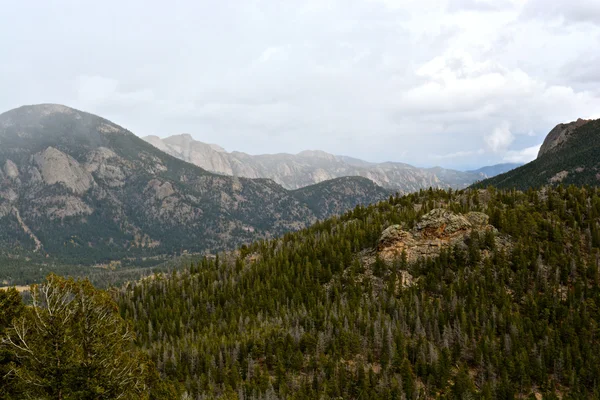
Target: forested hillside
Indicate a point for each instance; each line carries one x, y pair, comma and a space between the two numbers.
573, 161
506, 305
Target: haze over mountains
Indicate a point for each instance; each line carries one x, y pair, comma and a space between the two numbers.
294, 171
79, 189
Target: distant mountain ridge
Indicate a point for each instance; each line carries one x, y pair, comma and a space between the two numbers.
76, 188
294, 171
570, 155
493, 170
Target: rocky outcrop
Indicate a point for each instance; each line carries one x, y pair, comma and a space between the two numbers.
11, 170
59, 207
560, 135
104, 163
161, 189
438, 230
58, 167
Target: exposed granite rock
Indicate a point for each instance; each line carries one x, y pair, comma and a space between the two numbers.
439, 229
58, 167
34, 175
560, 135
161, 189
559, 177
59, 207
11, 170
103, 164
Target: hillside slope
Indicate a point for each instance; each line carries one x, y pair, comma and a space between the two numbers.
336, 196
477, 294
294, 171
79, 189
574, 159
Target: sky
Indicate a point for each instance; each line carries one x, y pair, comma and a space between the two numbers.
455, 83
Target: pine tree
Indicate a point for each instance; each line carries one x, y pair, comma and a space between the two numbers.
73, 344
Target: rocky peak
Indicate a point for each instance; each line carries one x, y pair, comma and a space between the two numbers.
317, 154
439, 229
180, 140
560, 135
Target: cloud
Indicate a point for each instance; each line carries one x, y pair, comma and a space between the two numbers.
96, 91
500, 138
584, 69
522, 156
566, 12
414, 81
479, 5
458, 154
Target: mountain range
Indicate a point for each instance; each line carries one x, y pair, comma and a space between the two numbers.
294, 171
78, 189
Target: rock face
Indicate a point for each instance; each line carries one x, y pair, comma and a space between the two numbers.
77, 188
560, 135
11, 170
438, 230
294, 171
58, 167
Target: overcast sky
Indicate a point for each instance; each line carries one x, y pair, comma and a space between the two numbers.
456, 83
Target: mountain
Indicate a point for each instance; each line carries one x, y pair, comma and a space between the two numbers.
78, 189
494, 170
336, 196
560, 135
570, 155
476, 294
294, 171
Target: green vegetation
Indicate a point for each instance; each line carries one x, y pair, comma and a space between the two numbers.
71, 343
302, 317
578, 156
330, 198
510, 313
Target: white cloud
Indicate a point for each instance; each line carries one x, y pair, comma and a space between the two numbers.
396, 80
564, 11
522, 156
459, 154
500, 138
98, 91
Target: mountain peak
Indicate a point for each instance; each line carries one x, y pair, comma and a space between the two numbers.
45, 109
560, 135
316, 154
47, 122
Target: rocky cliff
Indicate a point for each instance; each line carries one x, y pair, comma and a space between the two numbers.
560, 135
294, 171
